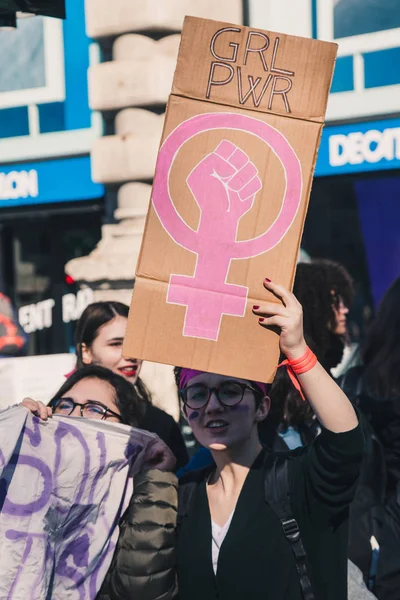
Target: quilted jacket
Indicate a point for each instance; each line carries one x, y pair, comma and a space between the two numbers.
144, 562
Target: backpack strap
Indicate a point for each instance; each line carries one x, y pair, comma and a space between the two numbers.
277, 495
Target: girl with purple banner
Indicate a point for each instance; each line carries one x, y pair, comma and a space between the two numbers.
106, 401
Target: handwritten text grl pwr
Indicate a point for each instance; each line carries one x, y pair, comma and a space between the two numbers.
230, 59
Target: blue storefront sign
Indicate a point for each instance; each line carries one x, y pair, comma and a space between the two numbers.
46, 182
359, 147
47, 128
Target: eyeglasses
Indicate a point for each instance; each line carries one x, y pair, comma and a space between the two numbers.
89, 410
229, 393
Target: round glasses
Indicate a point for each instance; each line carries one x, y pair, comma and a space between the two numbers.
229, 393
89, 410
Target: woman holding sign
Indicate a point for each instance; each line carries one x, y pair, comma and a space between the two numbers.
259, 525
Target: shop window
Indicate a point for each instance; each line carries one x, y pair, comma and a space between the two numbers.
51, 117
352, 17
14, 122
382, 67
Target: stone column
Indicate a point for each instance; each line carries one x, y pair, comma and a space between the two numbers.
131, 90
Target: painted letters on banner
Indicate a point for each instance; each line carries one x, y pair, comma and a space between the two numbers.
63, 488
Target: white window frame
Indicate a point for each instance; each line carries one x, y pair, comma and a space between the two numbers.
54, 88
360, 102
40, 146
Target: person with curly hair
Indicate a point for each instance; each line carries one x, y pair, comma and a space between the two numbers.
325, 290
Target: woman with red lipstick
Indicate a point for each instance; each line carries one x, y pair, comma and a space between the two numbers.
99, 336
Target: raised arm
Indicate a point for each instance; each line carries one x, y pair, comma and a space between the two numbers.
332, 407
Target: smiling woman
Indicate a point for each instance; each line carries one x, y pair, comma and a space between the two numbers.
100, 334
244, 513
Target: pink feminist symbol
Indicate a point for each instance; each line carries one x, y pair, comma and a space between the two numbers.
224, 184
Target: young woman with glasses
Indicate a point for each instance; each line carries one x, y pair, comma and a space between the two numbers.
97, 393
93, 393
230, 543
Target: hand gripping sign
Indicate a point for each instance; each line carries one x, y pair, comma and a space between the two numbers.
224, 184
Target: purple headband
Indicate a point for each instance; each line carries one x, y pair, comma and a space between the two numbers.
187, 374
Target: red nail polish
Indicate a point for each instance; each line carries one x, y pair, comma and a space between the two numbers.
267, 280
255, 307
261, 320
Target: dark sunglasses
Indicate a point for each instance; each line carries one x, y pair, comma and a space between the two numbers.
229, 393
89, 410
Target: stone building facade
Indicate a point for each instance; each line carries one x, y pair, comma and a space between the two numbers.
141, 39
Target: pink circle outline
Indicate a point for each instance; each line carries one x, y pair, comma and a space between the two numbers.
173, 222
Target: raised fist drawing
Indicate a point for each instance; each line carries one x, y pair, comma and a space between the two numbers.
224, 184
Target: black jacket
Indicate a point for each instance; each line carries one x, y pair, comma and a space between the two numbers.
383, 415
144, 562
255, 559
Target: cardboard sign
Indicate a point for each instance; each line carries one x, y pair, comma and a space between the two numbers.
230, 196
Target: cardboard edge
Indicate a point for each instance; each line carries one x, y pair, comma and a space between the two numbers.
137, 270
320, 120
309, 188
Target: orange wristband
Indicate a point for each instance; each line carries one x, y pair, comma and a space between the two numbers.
298, 366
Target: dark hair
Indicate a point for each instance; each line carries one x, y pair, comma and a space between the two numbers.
93, 317
313, 287
381, 349
126, 397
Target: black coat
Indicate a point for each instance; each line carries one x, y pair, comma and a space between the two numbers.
256, 561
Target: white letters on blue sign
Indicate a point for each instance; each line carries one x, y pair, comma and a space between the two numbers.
371, 147
35, 317
19, 184
73, 306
